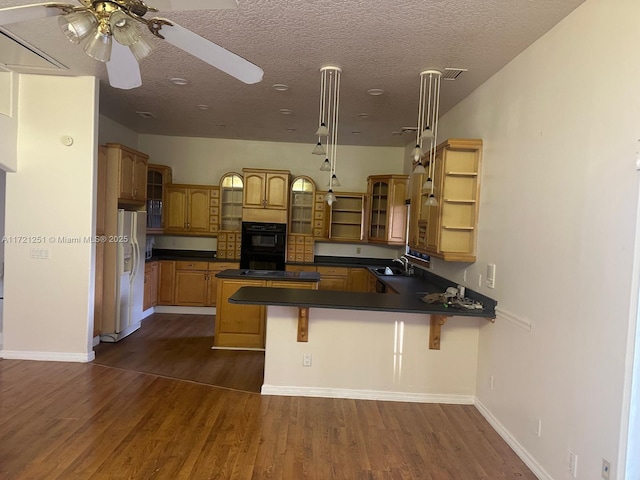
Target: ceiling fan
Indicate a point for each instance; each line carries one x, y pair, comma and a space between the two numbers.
99, 22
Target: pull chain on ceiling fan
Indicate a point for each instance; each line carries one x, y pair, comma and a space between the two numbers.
98, 23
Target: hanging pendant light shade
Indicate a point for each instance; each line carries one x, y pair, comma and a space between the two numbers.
328, 124
330, 197
326, 166
431, 201
427, 129
333, 181
319, 149
322, 131
419, 169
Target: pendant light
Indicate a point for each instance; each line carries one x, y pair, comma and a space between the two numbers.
427, 130
328, 125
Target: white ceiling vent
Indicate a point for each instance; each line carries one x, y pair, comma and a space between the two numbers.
20, 56
453, 73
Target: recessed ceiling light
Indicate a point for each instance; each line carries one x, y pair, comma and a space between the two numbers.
280, 87
364, 115
285, 111
178, 81
375, 91
146, 115
290, 129
221, 125
356, 133
202, 107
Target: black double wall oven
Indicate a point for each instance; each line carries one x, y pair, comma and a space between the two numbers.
263, 246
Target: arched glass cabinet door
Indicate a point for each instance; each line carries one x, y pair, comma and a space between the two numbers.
231, 186
301, 212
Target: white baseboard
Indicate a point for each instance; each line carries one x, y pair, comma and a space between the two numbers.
522, 452
184, 310
366, 395
48, 356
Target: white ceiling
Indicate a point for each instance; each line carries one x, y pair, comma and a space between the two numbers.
377, 43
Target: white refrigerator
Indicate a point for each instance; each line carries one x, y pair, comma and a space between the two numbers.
130, 244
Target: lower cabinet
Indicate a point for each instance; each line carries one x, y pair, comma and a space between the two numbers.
243, 326
150, 297
351, 279
333, 278
166, 282
195, 283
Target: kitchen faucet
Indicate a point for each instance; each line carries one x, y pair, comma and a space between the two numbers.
404, 261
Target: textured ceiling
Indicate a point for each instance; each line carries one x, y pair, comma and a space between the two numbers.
377, 43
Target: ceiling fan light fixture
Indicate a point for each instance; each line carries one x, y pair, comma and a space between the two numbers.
99, 47
77, 25
123, 29
141, 49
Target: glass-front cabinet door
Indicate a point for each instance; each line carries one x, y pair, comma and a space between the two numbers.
231, 187
301, 211
379, 200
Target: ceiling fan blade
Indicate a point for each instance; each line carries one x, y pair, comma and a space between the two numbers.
213, 54
123, 68
29, 12
183, 5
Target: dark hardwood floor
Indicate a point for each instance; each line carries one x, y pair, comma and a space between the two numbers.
179, 346
91, 421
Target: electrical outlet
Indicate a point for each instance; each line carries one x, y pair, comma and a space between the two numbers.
306, 360
464, 275
538, 427
606, 469
358, 250
479, 279
573, 464
491, 384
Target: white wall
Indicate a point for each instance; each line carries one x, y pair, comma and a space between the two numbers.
110, 131
370, 354
561, 125
48, 306
9, 89
205, 160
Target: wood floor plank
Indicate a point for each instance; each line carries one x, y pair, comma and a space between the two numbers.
68, 421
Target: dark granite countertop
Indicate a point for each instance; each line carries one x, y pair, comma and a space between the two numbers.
270, 275
186, 255
399, 303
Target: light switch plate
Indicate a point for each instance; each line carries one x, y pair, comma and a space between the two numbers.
491, 275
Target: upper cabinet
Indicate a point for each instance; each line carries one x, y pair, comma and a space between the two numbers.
188, 209
230, 208
266, 195
158, 178
132, 172
302, 202
346, 217
448, 230
387, 209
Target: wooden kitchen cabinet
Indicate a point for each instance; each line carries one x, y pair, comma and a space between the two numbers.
214, 269
265, 195
150, 297
188, 208
191, 284
449, 230
333, 278
346, 217
166, 282
131, 166
243, 326
358, 279
159, 177
387, 209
